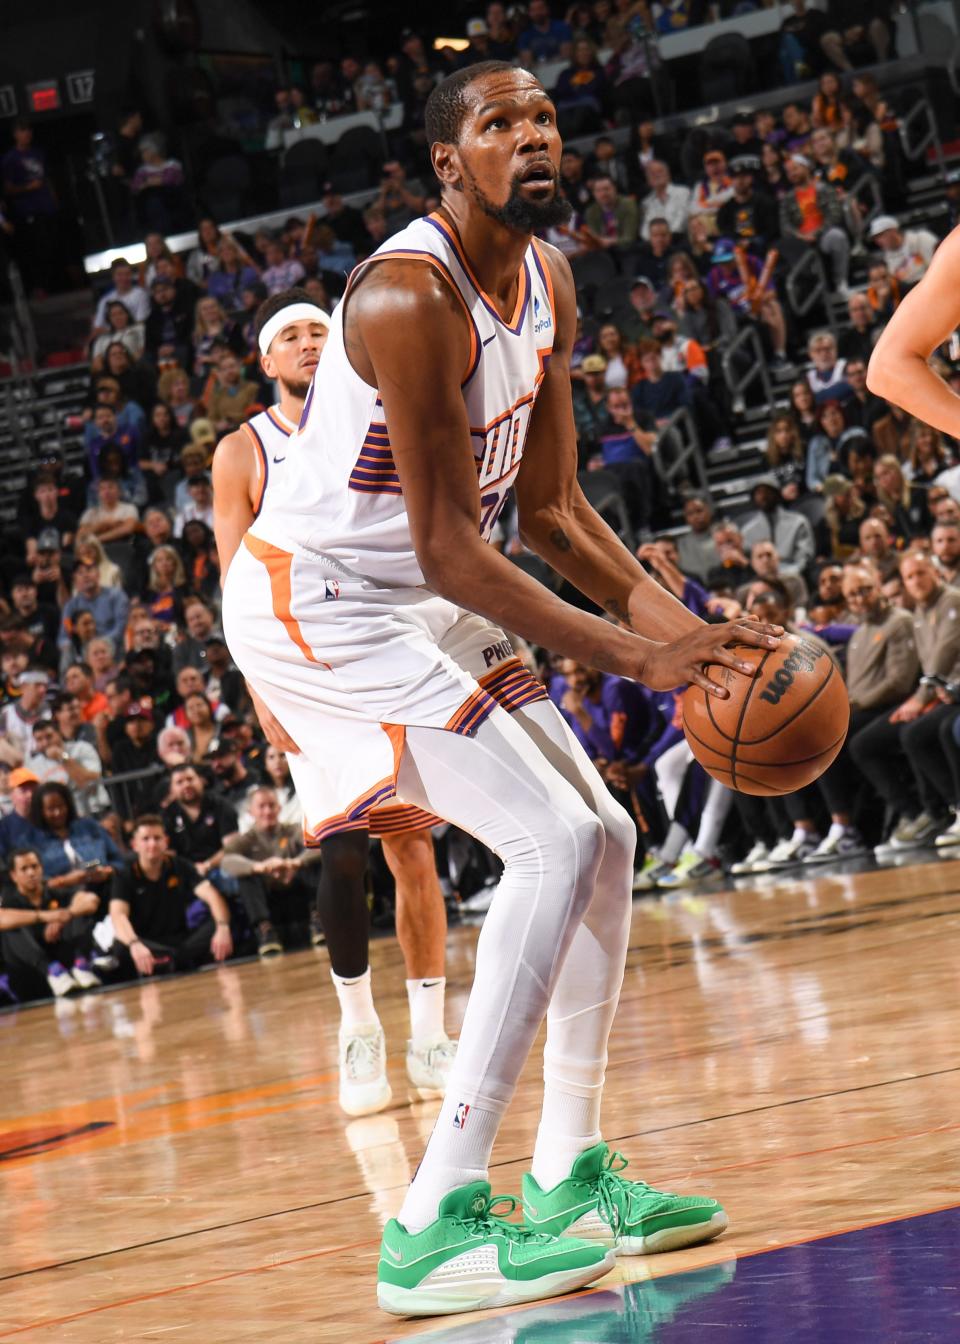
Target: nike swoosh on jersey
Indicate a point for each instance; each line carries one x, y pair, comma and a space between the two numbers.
490, 338
280, 459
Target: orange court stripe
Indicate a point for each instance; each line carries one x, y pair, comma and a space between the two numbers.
523, 285
278, 565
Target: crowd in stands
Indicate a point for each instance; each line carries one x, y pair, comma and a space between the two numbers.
134, 778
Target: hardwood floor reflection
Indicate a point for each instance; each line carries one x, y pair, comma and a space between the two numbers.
173, 1161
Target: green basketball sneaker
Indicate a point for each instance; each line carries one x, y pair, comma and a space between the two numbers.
471, 1257
596, 1203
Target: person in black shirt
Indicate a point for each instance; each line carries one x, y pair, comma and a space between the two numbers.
39, 619
858, 340
149, 905
233, 780
750, 217
197, 823
46, 938
136, 751
345, 221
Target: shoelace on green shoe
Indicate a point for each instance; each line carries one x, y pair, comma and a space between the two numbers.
491, 1216
615, 1193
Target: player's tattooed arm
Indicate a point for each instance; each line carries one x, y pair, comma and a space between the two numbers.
615, 608
559, 540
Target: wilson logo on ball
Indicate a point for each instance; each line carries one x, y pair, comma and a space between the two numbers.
803, 658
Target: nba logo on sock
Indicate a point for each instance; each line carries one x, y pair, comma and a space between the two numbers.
460, 1119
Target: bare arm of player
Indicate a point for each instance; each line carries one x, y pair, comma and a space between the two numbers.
419, 384
559, 524
234, 480
898, 367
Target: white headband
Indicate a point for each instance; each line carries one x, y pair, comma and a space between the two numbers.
294, 312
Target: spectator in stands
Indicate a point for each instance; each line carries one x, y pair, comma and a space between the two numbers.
205, 257
680, 354
276, 773
19, 717
583, 83
168, 325
828, 449
281, 271
627, 440
590, 404
827, 377
658, 394
46, 941
503, 33
76, 852
273, 869
696, 548
622, 364
75, 764
929, 455
544, 38
200, 504
712, 191
749, 217
34, 215
123, 290
652, 257
876, 545
859, 339
201, 726
945, 549
665, 200
399, 201
99, 653
136, 751
232, 395
910, 735
765, 567
773, 177
706, 319
122, 329
47, 512
345, 220
231, 778
906, 503
786, 452
157, 186
111, 519
739, 280
40, 620
213, 332
800, 42
197, 822
789, 531
236, 272
166, 586
629, 71
907, 253
149, 903
856, 34
108, 606
811, 216
797, 129
15, 827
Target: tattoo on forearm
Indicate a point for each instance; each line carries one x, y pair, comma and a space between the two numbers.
560, 540
617, 610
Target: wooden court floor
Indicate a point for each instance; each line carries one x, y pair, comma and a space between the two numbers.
173, 1163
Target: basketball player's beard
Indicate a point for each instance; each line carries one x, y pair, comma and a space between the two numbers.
521, 215
298, 390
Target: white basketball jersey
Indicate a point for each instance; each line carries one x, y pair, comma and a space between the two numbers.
270, 432
340, 498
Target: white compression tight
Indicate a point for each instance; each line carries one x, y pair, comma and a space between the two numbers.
554, 940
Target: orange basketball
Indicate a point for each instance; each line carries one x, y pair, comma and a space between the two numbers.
778, 730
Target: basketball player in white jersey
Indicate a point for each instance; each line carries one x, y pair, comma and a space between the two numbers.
367, 609
929, 315
291, 331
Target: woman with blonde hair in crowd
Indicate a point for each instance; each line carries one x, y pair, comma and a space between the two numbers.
212, 331
88, 550
156, 246
205, 258
803, 404
202, 728
785, 446
166, 586
930, 453
906, 503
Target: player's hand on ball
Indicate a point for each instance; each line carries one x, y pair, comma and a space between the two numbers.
683, 662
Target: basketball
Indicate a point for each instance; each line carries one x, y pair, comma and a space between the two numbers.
780, 729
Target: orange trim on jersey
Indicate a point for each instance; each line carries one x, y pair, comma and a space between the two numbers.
478, 706
274, 417
411, 254
523, 277
355, 816
401, 819
278, 565
513, 686
260, 458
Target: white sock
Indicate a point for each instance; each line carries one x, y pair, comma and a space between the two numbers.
425, 998
458, 1153
355, 996
799, 835
569, 1125
837, 829
673, 845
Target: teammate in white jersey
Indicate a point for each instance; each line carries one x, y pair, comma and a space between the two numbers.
345, 604
291, 331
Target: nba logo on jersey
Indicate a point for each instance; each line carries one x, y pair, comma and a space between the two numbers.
331, 590
541, 322
460, 1119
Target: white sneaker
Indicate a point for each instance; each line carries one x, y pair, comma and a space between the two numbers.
84, 976
428, 1066
795, 850
951, 836
845, 845
60, 980
363, 1072
751, 863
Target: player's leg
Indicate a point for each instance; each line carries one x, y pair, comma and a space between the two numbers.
551, 844
574, 1186
422, 932
345, 917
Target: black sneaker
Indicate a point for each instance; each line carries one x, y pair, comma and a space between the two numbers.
317, 935
268, 943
